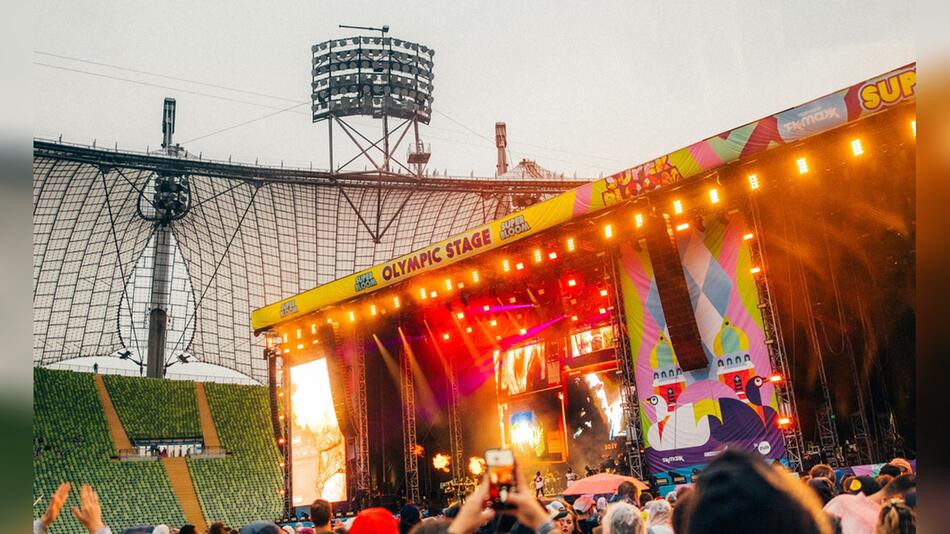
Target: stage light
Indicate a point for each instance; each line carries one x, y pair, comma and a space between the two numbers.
281, 441
486, 307
468, 329
784, 421
602, 311
552, 255
608, 231
352, 316
282, 465
448, 284
460, 315
913, 127
522, 331
856, 147
493, 322
755, 270
753, 181
574, 318
372, 310
603, 292
460, 285
512, 300
299, 334
538, 257
422, 293
433, 294
677, 207
519, 266
505, 265
315, 341
748, 236
571, 282
286, 351
445, 336
638, 220
497, 338
281, 417
329, 320
475, 276
281, 394
682, 226
313, 328
570, 244
396, 302
285, 337
300, 346
714, 196
776, 378
802, 165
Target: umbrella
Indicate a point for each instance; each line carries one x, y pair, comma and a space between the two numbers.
601, 483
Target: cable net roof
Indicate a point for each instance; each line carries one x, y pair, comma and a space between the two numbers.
242, 245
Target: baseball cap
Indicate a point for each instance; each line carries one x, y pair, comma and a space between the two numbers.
556, 510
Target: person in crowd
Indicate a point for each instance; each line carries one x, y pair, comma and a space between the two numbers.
374, 521
626, 492
823, 471
890, 469
601, 505
623, 518
321, 512
865, 485
256, 527
409, 517
896, 518
571, 476
436, 526
188, 529
855, 510
89, 512
538, 485
823, 488
659, 517
645, 497
569, 524
903, 465
526, 508
217, 528
680, 511
559, 514
586, 513
289, 529
883, 480
739, 493
845, 482
162, 529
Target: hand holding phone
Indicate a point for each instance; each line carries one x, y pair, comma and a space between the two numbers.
501, 477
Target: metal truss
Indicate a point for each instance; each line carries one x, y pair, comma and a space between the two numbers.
785, 391
409, 441
455, 425
357, 383
629, 398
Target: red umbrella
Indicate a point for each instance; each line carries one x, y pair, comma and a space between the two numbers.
601, 483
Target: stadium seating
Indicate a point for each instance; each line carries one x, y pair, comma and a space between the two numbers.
155, 408
245, 485
71, 443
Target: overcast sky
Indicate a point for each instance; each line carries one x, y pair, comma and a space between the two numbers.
585, 87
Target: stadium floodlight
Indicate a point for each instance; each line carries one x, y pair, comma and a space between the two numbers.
373, 76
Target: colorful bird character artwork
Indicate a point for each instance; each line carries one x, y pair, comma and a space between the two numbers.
687, 426
668, 379
733, 363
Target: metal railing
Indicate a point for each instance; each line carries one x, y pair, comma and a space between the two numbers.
171, 376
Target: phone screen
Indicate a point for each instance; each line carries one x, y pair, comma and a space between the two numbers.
501, 476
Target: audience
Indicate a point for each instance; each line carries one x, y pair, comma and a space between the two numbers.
321, 513
659, 517
896, 518
409, 517
623, 518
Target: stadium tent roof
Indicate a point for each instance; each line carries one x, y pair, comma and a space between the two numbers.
816, 116
253, 235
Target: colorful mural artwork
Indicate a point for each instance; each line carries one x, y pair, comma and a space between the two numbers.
689, 417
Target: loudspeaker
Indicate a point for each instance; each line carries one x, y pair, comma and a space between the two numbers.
674, 295
337, 369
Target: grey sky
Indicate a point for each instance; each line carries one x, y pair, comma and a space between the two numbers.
591, 87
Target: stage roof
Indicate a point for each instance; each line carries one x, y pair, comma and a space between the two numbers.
814, 117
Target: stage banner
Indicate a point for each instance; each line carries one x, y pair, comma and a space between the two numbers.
689, 417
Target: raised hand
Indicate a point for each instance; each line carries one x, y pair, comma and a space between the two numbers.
527, 509
56, 503
471, 516
89, 512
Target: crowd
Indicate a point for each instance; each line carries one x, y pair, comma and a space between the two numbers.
737, 493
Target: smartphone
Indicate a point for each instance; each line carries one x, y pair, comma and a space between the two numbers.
501, 476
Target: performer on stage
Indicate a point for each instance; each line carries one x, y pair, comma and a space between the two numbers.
571, 476
538, 485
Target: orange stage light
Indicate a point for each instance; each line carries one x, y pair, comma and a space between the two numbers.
603, 311
372, 309
784, 421
422, 293
775, 378
802, 165
538, 257
552, 255
299, 346
677, 207
574, 318
753, 181
608, 231
748, 236
638, 220
493, 322
460, 315
603, 292
755, 270
570, 244
856, 148
486, 308
396, 302
445, 336
522, 331
571, 282
433, 294
682, 226
505, 265
519, 266
468, 329
448, 284
475, 276
714, 196
352, 316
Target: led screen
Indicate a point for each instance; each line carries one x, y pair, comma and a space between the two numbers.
521, 369
535, 427
594, 417
592, 340
318, 453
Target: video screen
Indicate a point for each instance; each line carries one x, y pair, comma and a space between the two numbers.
521, 369
592, 340
594, 418
317, 452
536, 427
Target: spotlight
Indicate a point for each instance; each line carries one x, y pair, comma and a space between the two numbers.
602, 311
285, 337
776, 378
313, 328
299, 333
522, 331
538, 256
784, 421
802, 165
433, 294
677, 207
493, 322
913, 127
714, 196
638, 220
753, 181
682, 226
468, 329
372, 309
422, 293
608, 231
448, 284
505, 265
571, 282
460, 315
574, 318
603, 292
747, 236
570, 244
512, 300
445, 336
755, 270
300, 346
396, 302
519, 266
475, 276
486, 307
856, 147
352, 316
552, 255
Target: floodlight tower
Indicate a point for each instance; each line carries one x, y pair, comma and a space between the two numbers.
170, 200
380, 78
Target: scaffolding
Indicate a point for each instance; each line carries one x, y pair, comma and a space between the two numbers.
409, 442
